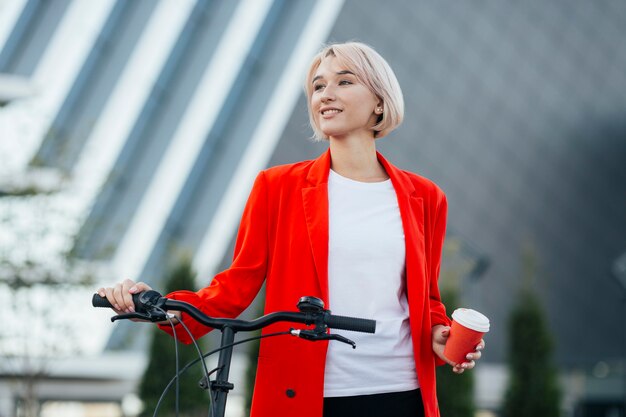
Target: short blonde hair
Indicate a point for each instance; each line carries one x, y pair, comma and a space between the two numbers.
373, 71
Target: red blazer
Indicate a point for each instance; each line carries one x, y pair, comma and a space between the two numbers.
283, 241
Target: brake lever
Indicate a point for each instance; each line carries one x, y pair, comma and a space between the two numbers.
340, 338
314, 336
152, 316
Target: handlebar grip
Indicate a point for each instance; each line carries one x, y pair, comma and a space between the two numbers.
103, 302
351, 323
98, 301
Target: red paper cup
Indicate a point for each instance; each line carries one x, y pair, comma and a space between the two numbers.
468, 327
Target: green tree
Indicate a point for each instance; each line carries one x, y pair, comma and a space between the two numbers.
455, 392
193, 401
533, 388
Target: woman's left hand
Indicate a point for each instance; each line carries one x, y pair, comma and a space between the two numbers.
440, 334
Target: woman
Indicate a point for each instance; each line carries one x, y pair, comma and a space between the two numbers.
353, 230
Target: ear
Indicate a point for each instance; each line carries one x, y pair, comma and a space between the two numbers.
379, 107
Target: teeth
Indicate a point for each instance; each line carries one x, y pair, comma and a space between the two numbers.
330, 111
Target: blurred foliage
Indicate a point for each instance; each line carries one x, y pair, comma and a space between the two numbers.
22, 192
39, 284
40, 329
454, 392
533, 388
455, 265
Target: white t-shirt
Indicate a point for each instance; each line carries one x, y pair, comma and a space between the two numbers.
366, 278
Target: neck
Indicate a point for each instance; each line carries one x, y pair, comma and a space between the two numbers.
356, 159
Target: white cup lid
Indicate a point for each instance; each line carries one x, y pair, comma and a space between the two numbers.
471, 319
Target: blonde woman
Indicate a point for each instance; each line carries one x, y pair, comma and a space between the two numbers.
353, 230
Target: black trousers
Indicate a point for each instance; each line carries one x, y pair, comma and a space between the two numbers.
394, 404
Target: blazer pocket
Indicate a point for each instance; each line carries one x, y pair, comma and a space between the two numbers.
275, 390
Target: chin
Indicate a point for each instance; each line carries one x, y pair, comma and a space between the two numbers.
333, 131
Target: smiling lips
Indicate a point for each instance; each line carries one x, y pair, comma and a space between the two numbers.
329, 111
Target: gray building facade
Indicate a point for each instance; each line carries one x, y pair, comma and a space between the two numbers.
517, 110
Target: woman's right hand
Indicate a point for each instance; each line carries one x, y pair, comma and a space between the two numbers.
121, 295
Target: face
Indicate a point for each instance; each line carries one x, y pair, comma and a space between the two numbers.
341, 105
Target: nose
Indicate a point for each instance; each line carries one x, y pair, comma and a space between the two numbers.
327, 94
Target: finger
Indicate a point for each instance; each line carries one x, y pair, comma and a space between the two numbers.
118, 298
124, 298
135, 288
474, 355
127, 284
101, 292
139, 287
466, 365
108, 293
481, 345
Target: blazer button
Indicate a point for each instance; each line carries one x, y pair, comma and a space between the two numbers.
290, 393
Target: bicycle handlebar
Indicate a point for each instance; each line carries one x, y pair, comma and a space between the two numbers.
149, 301
152, 306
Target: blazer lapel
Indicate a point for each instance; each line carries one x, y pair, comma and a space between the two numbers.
315, 203
412, 213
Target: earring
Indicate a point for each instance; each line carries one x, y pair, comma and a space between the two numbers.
379, 110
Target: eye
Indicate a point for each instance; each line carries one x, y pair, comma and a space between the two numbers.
345, 82
318, 87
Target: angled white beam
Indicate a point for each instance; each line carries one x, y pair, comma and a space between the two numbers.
14, 87
129, 96
159, 199
26, 121
117, 119
10, 11
267, 134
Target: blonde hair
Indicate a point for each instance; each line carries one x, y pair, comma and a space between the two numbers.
373, 71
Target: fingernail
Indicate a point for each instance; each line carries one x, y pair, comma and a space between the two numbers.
117, 307
464, 366
133, 289
132, 310
469, 356
479, 348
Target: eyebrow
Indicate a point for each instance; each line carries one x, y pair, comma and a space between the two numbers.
342, 72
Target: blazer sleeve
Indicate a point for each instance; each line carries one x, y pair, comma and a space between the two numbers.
231, 291
437, 309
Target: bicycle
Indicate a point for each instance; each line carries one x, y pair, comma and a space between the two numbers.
152, 306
